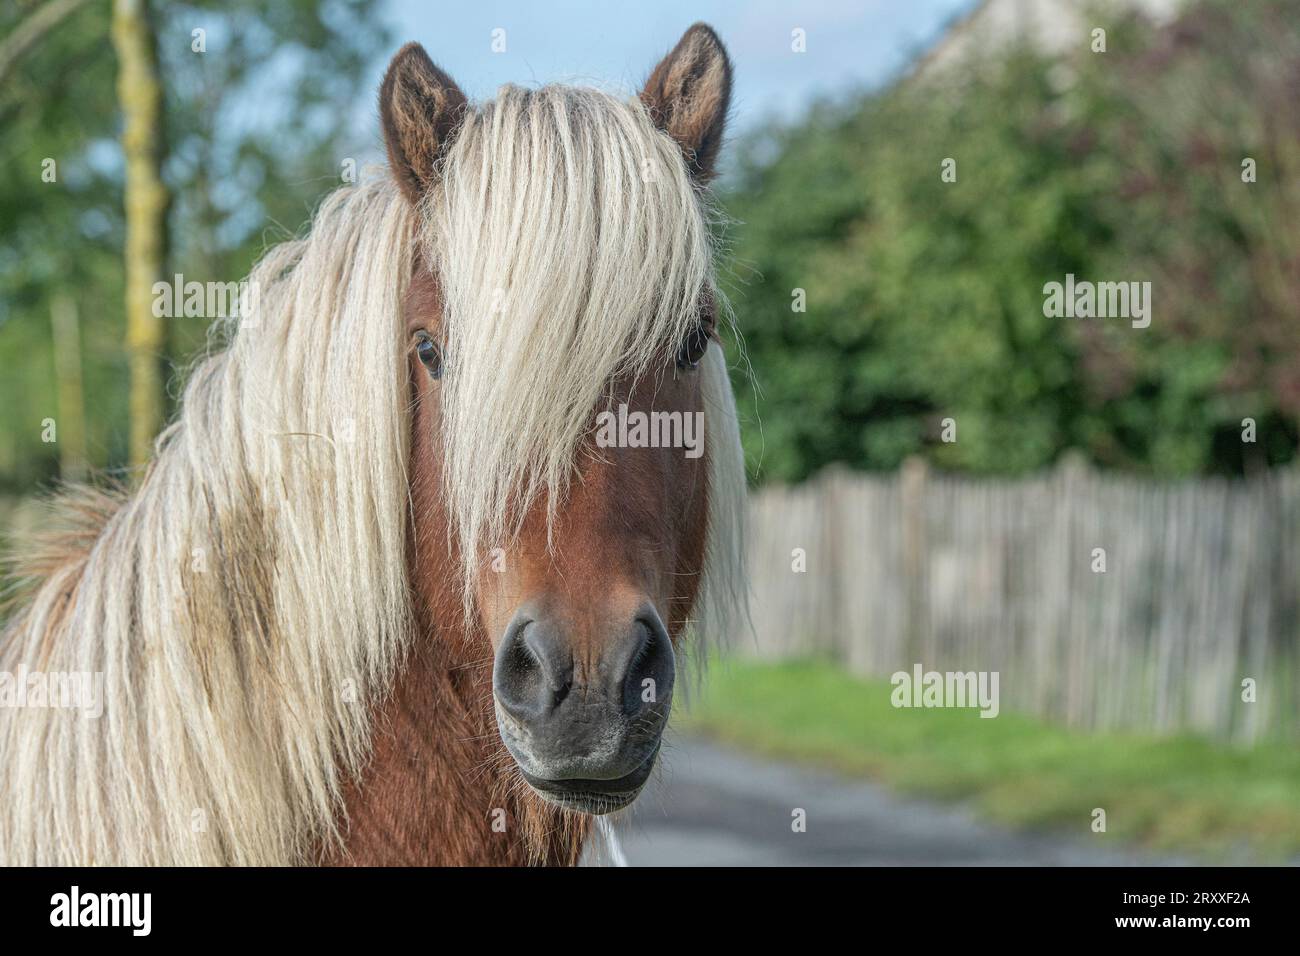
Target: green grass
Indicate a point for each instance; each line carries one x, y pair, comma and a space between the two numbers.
1182, 794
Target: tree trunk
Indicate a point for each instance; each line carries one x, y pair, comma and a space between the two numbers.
140, 95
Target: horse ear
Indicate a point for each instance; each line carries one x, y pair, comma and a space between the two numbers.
688, 94
421, 108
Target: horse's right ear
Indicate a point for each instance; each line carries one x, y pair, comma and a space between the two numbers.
421, 108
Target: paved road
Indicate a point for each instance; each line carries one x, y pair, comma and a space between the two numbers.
713, 806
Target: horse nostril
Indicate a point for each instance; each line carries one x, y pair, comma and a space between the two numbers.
555, 668
533, 671
649, 676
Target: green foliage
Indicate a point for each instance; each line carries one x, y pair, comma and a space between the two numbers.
65, 234
256, 129
925, 297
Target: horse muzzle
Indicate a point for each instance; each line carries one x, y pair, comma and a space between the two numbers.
586, 735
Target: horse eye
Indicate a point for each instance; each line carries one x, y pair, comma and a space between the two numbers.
693, 348
430, 356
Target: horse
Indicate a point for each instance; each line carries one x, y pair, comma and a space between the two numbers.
382, 596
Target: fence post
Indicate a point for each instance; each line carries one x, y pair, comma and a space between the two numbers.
833, 636
912, 482
1062, 676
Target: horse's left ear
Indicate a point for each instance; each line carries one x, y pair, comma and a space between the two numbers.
688, 94
421, 108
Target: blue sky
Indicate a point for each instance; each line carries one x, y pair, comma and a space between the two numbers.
614, 44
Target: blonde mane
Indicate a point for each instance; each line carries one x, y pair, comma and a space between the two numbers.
558, 202
249, 603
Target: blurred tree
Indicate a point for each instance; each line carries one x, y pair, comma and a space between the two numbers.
140, 96
61, 212
259, 117
27, 32
1196, 134
924, 292
66, 328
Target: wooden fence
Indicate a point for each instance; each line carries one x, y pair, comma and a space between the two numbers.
1200, 590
